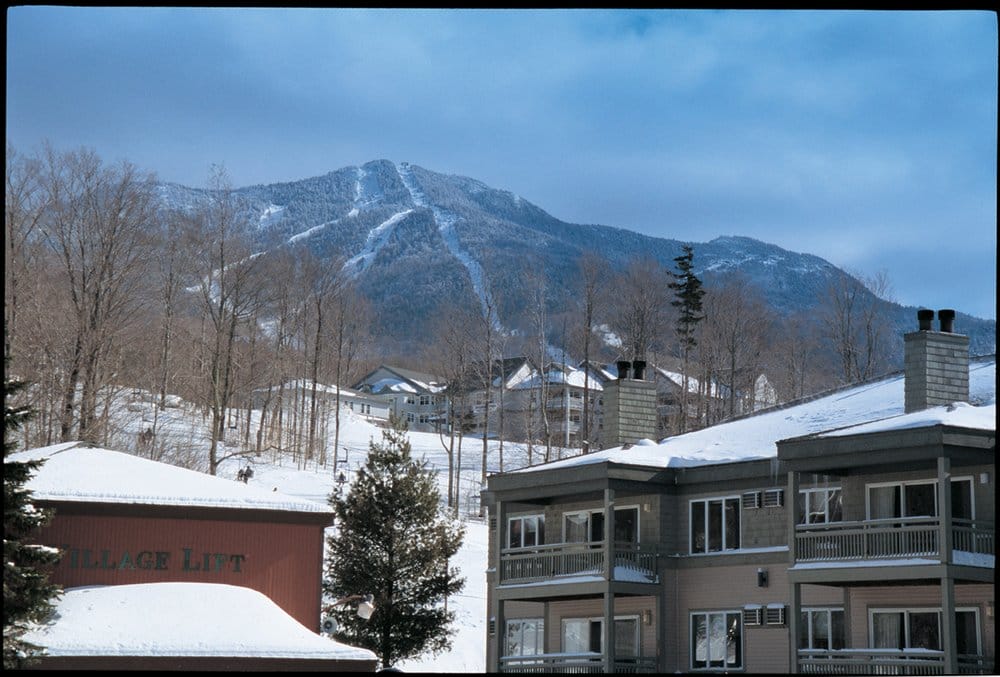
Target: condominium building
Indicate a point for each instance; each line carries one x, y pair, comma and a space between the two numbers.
850, 533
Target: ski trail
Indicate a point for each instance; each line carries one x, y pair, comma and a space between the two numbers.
376, 239
446, 226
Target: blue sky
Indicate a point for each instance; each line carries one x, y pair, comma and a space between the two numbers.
867, 138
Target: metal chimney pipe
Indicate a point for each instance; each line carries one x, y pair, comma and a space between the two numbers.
947, 319
623, 367
925, 318
638, 367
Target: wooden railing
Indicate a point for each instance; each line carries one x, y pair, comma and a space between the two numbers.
886, 662
582, 663
633, 562
889, 539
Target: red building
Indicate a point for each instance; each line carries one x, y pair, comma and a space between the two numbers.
120, 519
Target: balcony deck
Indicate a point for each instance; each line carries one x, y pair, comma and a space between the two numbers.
886, 662
633, 562
583, 663
897, 538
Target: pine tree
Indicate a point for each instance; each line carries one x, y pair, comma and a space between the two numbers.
688, 294
27, 594
393, 542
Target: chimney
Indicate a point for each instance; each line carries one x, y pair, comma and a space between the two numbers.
629, 407
936, 363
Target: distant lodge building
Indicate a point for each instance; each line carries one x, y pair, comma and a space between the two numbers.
851, 533
121, 520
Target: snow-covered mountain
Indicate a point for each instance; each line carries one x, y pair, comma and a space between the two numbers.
415, 239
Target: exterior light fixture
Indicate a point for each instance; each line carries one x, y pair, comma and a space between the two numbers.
366, 607
761, 578
647, 617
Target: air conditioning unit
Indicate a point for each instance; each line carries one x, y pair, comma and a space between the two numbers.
328, 625
751, 499
775, 615
774, 498
753, 616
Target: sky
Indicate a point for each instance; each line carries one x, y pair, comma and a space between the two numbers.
868, 138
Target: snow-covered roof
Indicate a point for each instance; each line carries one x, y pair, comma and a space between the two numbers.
307, 384
74, 472
180, 619
867, 407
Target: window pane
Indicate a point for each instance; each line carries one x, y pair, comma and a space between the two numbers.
597, 526
965, 628
627, 525
596, 636
732, 524
803, 508
924, 630
714, 526
513, 644
961, 499
884, 502
920, 500
576, 528
514, 536
699, 640
541, 529
717, 639
837, 629
576, 636
530, 531
888, 630
820, 629
734, 641
698, 526
626, 637
804, 631
835, 506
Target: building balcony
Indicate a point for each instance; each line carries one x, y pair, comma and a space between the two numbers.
973, 541
887, 662
633, 563
578, 663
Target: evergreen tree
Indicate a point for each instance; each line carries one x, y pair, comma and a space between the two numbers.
688, 294
27, 594
393, 542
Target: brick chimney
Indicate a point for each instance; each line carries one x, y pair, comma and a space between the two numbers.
629, 406
936, 363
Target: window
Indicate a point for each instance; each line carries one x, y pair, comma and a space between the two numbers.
524, 637
821, 629
716, 640
921, 629
526, 531
585, 635
410, 399
410, 418
715, 524
588, 526
918, 499
424, 418
426, 399
820, 506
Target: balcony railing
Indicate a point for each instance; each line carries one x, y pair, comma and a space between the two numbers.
578, 663
633, 562
890, 539
887, 662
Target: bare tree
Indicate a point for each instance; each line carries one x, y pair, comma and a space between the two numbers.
98, 226
591, 298
856, 321
640, 312
229, 288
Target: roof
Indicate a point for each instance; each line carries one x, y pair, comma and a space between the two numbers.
307, 384
420, 381
867, 407
180, 619
78, 473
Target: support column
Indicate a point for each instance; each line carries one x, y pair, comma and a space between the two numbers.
609, 575
608, 630
949, 638
794, 610
496, 643
945, 538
